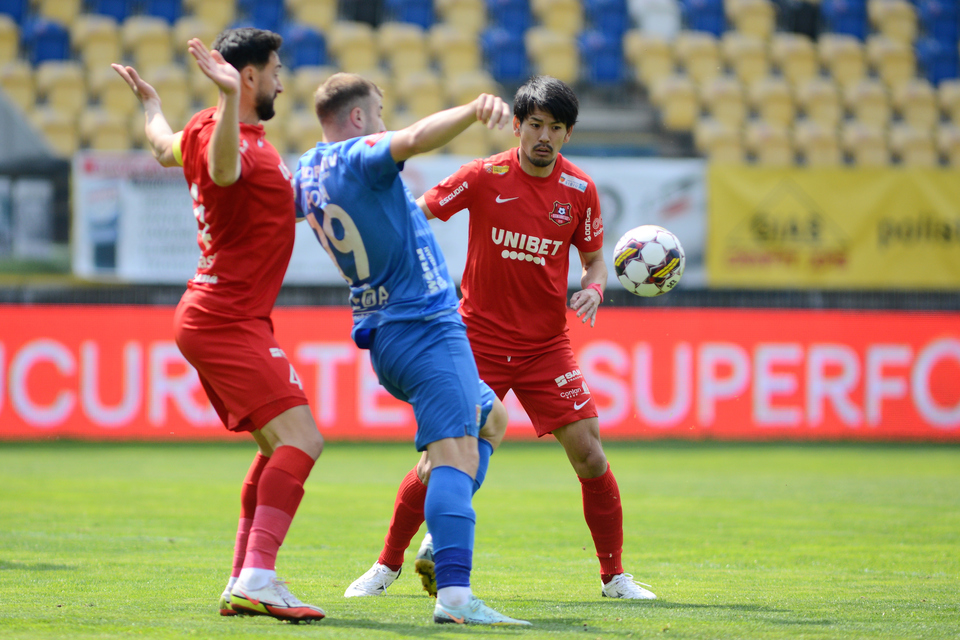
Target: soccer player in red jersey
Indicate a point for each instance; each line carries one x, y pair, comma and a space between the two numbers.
243, 202
527, 207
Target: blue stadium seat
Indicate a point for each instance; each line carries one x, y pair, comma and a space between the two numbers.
608, 16
119, 10
303, 46
704, 15
416, 11
940, 20
45, 40
262, 14
512, 15
506, 55
937, 60
16, 9
169, 10
602, 53
845, 16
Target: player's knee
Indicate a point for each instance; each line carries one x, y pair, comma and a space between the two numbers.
495, 427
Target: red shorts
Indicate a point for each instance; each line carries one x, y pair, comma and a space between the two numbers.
246, 375
549, 385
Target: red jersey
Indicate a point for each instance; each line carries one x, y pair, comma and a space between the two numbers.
246, 230
518, 252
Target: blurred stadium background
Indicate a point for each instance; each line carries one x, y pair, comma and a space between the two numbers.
805, 153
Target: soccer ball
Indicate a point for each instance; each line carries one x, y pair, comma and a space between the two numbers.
648, 260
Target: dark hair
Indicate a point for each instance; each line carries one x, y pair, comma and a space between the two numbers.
241, 47
547, 94
341, 93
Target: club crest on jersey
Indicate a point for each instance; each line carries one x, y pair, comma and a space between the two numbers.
562, 213
498, 169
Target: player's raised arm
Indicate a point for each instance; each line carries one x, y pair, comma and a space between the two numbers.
586, 302
223, 154
164, 143
438, 129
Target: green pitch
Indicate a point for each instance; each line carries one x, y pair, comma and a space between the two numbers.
738, 541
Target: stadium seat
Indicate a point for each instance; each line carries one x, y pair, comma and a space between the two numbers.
746, 56
469, 16
770, 144
607, 16
843, 57
602, 55
96, 39
896, 19
455, 51
914, 147
820, 101
719, 142
202, 91
845, 17
561, 16
59, 129
62, 11
16, 9
9, 39
948, 143
421, 93
463, 88
650, 55
45, 40
795, 56
817, 144
657, 17
869, 103
19, 85
419, 12
302, 129
404, 46
752, 17
506, 55
472, 143
103, 130
111, 92
119, 10
217, 13
63, 84
722, 97
303, 45
304, 85
187, 28
171, 83
512, 15
771, 98
169, 10
916, 102
676, 97
948, 97
698, 53
262, 14
940, 20
938, 61
867, 145
501, 139
704, 15
893, 61
553, 53
354, 46
319, 14
147, 39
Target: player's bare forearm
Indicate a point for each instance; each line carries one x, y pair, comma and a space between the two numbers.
438, 129
586, 302
159, 135
223, 155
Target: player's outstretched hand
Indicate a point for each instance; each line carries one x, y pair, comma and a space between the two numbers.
586, 303
212, 64
492, 111
141, 89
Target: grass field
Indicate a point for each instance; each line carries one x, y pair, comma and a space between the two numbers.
738, 541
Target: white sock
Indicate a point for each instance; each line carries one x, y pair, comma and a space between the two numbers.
453, 596
232, 581
256, 578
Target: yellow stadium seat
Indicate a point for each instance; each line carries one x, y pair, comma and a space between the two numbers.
19, 85
100, 129
948, 142
58, 128
795, 56
719, 142
893, 61
189, 27
676, 97
866, 144
306, 81
563, 16
746, 55
275, 130
404, 46
896, 19
916, 101
465, 87
456, 50
147, 39
354, 45
843, 57
752, 17
868, 101
650, 55
63, 85
817, 144
773, 101
219, 14
9, 39
171, 83
501, 139
770, 144
320, 14
112, 93
820, 101
948, 95
96, 39
202, 90
722, 97
469, 16
302, 130
422, 93
472, 142
385, 82
553, 53
914, 147
62, 11
698, 53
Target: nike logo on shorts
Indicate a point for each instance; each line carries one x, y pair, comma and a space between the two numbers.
499, 199
578, 406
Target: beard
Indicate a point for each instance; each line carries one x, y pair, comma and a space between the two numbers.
541, 162
264, 106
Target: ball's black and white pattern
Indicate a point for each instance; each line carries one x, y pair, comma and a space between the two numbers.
648, 260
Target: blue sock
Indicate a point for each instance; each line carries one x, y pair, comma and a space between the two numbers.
450, 519
486, 450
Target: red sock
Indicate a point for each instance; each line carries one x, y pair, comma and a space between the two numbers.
406, 521
604, 515
248, 507
278, 496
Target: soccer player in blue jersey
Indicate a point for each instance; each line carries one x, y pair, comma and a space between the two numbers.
405, 304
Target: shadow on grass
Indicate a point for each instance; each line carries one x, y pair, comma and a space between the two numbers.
411, 629
9, 565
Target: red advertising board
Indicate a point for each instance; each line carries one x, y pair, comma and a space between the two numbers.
114, 372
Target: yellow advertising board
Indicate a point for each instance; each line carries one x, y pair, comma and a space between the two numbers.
833, 228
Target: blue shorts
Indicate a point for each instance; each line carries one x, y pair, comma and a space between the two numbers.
429, 364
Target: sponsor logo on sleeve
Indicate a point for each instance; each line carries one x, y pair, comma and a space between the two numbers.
460, 189
568, 180
496, 169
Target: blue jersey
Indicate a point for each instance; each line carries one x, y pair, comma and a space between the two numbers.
370, 225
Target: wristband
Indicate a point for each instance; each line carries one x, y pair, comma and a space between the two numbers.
596, 287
